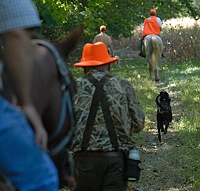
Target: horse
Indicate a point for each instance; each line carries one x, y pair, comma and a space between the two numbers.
152, 49
164, 112
52, 90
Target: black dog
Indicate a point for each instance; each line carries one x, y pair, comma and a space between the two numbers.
164, 112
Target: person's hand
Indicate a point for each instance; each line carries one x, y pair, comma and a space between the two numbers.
35, 120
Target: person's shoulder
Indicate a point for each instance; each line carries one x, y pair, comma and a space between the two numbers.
147, 19
122, 81
159, 18
106, 34
96, 38
98, 35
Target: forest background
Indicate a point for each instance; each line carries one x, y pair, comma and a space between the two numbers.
120, 16
123, 19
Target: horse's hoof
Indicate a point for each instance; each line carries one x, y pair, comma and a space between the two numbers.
141, 55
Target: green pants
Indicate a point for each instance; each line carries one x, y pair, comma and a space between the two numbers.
100, 174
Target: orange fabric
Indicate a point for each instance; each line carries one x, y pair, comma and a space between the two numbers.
151, 26
153, 11
95, 55
103, 27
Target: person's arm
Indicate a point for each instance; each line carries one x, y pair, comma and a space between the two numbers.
159, 22
135, 110
95, 39
19, 60
111, 47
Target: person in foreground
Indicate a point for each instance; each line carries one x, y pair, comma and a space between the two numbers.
107, 114
106, 39
23, 159
152, 25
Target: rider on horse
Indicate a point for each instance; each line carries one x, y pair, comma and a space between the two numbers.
152, 25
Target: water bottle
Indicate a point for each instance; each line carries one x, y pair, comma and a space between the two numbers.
134, 154
133, 164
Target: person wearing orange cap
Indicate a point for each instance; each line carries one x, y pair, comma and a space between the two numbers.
106, 39
107, 114
152, 25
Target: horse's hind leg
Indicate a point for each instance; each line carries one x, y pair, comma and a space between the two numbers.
151, 73
156, 74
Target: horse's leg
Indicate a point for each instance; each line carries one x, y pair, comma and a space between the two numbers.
62, 164
156, 74
155, 68
151, 72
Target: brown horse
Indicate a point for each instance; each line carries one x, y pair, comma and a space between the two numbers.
52, 91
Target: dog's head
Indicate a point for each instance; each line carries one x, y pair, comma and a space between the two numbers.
164, 96
163, 101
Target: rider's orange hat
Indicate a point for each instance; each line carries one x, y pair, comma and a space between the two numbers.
152, 11
103, 27
95, 55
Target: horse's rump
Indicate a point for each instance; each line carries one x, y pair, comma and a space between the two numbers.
153, 47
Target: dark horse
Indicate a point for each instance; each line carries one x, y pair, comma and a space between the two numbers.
52, 90
164, 112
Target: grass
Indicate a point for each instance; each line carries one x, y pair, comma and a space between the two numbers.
183, 81
186, 80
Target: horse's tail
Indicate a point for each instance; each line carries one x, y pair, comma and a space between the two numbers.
156, 42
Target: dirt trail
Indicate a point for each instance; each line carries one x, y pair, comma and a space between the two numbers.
160, 172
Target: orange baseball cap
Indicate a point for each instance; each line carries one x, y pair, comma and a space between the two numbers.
153, 11
95, 55
103, 27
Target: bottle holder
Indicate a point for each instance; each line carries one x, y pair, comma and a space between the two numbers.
133, 171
